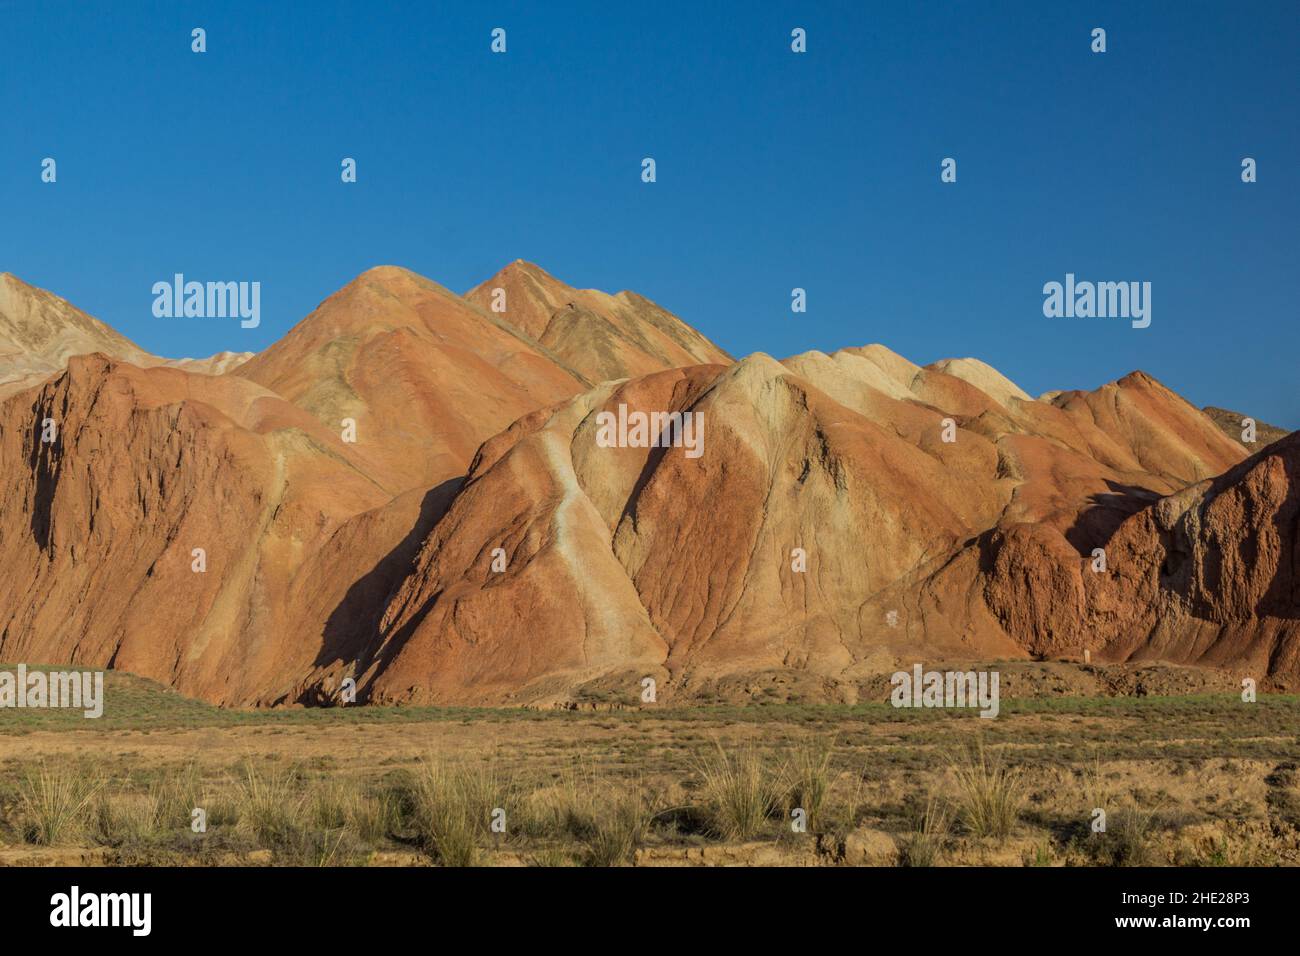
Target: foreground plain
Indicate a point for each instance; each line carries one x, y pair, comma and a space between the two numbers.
1188, 780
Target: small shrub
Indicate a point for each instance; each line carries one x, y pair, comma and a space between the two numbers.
614, 833
1127, 840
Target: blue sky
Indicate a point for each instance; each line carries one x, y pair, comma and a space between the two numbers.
775, 170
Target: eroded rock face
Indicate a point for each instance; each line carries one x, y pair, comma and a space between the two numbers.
100, 524
481, 543
1206, 575
1212, 574
913, 547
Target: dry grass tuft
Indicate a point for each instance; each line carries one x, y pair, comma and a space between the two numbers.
741, 791
989, 794
57, 803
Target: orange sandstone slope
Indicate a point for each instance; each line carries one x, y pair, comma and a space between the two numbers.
646, 560
149, 463
827, 530
99, 527
1209, 575
603, 336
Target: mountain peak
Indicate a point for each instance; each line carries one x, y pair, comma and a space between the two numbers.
396, 280
984, 377
605, 337
380, 273
528, 268
393, 339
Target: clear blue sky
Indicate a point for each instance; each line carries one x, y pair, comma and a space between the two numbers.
775, 170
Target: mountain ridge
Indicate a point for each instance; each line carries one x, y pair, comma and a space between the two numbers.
468, 540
